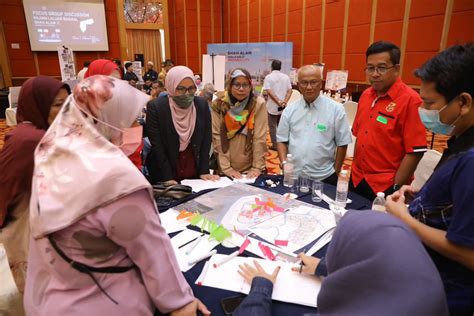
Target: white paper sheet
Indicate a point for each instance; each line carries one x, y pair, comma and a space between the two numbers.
244, 179
202, 248
290, 287
199, 185
323, 241
170, 223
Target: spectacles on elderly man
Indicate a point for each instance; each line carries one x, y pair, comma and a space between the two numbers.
180, 90
381, 70
312, 83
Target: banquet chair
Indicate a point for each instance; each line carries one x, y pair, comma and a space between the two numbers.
425, 168
10, 112
351, 109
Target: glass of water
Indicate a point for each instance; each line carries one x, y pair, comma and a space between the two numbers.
293, 183
304, 184
317, 191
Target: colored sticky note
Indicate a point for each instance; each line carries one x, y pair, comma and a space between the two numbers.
283, 243
321, 127
196, 219
278, 209
382, 119
220, 233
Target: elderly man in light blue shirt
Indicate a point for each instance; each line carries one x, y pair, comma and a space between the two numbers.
314, 130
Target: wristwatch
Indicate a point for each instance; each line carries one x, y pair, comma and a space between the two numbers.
396, 187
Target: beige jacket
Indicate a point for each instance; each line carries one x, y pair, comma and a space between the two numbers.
242, 156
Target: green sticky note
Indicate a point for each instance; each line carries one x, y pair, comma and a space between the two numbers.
321, 127
196, 219
220, 233
239, 118
382, 119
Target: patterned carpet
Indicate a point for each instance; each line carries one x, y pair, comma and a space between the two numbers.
272, 156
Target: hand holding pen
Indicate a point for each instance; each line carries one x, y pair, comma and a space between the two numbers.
307, 264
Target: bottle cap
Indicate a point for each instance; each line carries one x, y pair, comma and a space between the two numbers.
344, 172
381, 194
289, 155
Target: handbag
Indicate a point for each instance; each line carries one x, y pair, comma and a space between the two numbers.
174, 191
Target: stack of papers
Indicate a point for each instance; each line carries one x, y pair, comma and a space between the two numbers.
244, 179
290, 286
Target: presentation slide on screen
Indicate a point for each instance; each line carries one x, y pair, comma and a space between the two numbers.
79, 25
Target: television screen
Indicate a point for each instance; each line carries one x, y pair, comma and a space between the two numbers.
77, 24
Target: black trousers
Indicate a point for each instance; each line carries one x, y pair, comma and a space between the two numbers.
364, 189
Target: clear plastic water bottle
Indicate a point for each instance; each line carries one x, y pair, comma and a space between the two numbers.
342, 188
379, 202
288, 167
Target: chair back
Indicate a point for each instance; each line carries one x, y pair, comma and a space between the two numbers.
425, 168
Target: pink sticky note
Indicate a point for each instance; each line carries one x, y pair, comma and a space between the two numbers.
244, 246
283, 243
270, 254
278, 209
258, 202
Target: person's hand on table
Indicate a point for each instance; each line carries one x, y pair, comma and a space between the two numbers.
310, 264
408, 192
170, 182
395, 205
191, 309
252, 174
248, 272
210, 177
233, 174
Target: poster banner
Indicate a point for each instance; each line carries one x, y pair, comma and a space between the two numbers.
255, 57
66, 63
336, 80
213, 71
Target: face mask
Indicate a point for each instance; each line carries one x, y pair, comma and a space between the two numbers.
430, 119
184, 101
131, 139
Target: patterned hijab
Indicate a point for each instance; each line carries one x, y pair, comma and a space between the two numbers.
78, 166
377, 266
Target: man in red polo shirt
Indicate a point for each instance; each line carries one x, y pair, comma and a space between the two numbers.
391, 138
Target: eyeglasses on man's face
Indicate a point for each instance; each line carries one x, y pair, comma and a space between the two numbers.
312, 83
379, 69
238, 86
180, 90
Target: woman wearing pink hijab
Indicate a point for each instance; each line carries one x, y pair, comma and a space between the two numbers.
179, 129
97, 245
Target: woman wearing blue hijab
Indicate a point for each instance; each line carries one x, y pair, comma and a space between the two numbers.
376, 266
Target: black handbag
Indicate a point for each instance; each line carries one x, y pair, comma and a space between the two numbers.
174, 191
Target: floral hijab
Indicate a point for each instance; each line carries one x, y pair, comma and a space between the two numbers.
78, 166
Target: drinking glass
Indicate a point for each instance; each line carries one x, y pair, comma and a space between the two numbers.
293, 183
304, 184
317, 191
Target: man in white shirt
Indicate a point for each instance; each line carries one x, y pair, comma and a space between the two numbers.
82, 72
277, 85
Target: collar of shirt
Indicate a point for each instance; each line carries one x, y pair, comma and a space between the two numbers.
462, 142
310, 105
392, 93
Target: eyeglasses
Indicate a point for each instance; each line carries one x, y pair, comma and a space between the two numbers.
312, 83
239, 86
381, 70
180, 90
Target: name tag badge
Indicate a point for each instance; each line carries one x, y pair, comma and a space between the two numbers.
321, 128
382, 119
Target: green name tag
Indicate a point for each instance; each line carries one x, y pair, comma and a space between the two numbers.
382, 119
321, 127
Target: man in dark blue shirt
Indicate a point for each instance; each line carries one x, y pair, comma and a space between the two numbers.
442, 213
130, 75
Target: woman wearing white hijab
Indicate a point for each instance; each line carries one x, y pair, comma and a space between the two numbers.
97, 244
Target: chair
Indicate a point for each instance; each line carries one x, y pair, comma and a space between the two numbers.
351, 110
10, 112
425, 168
